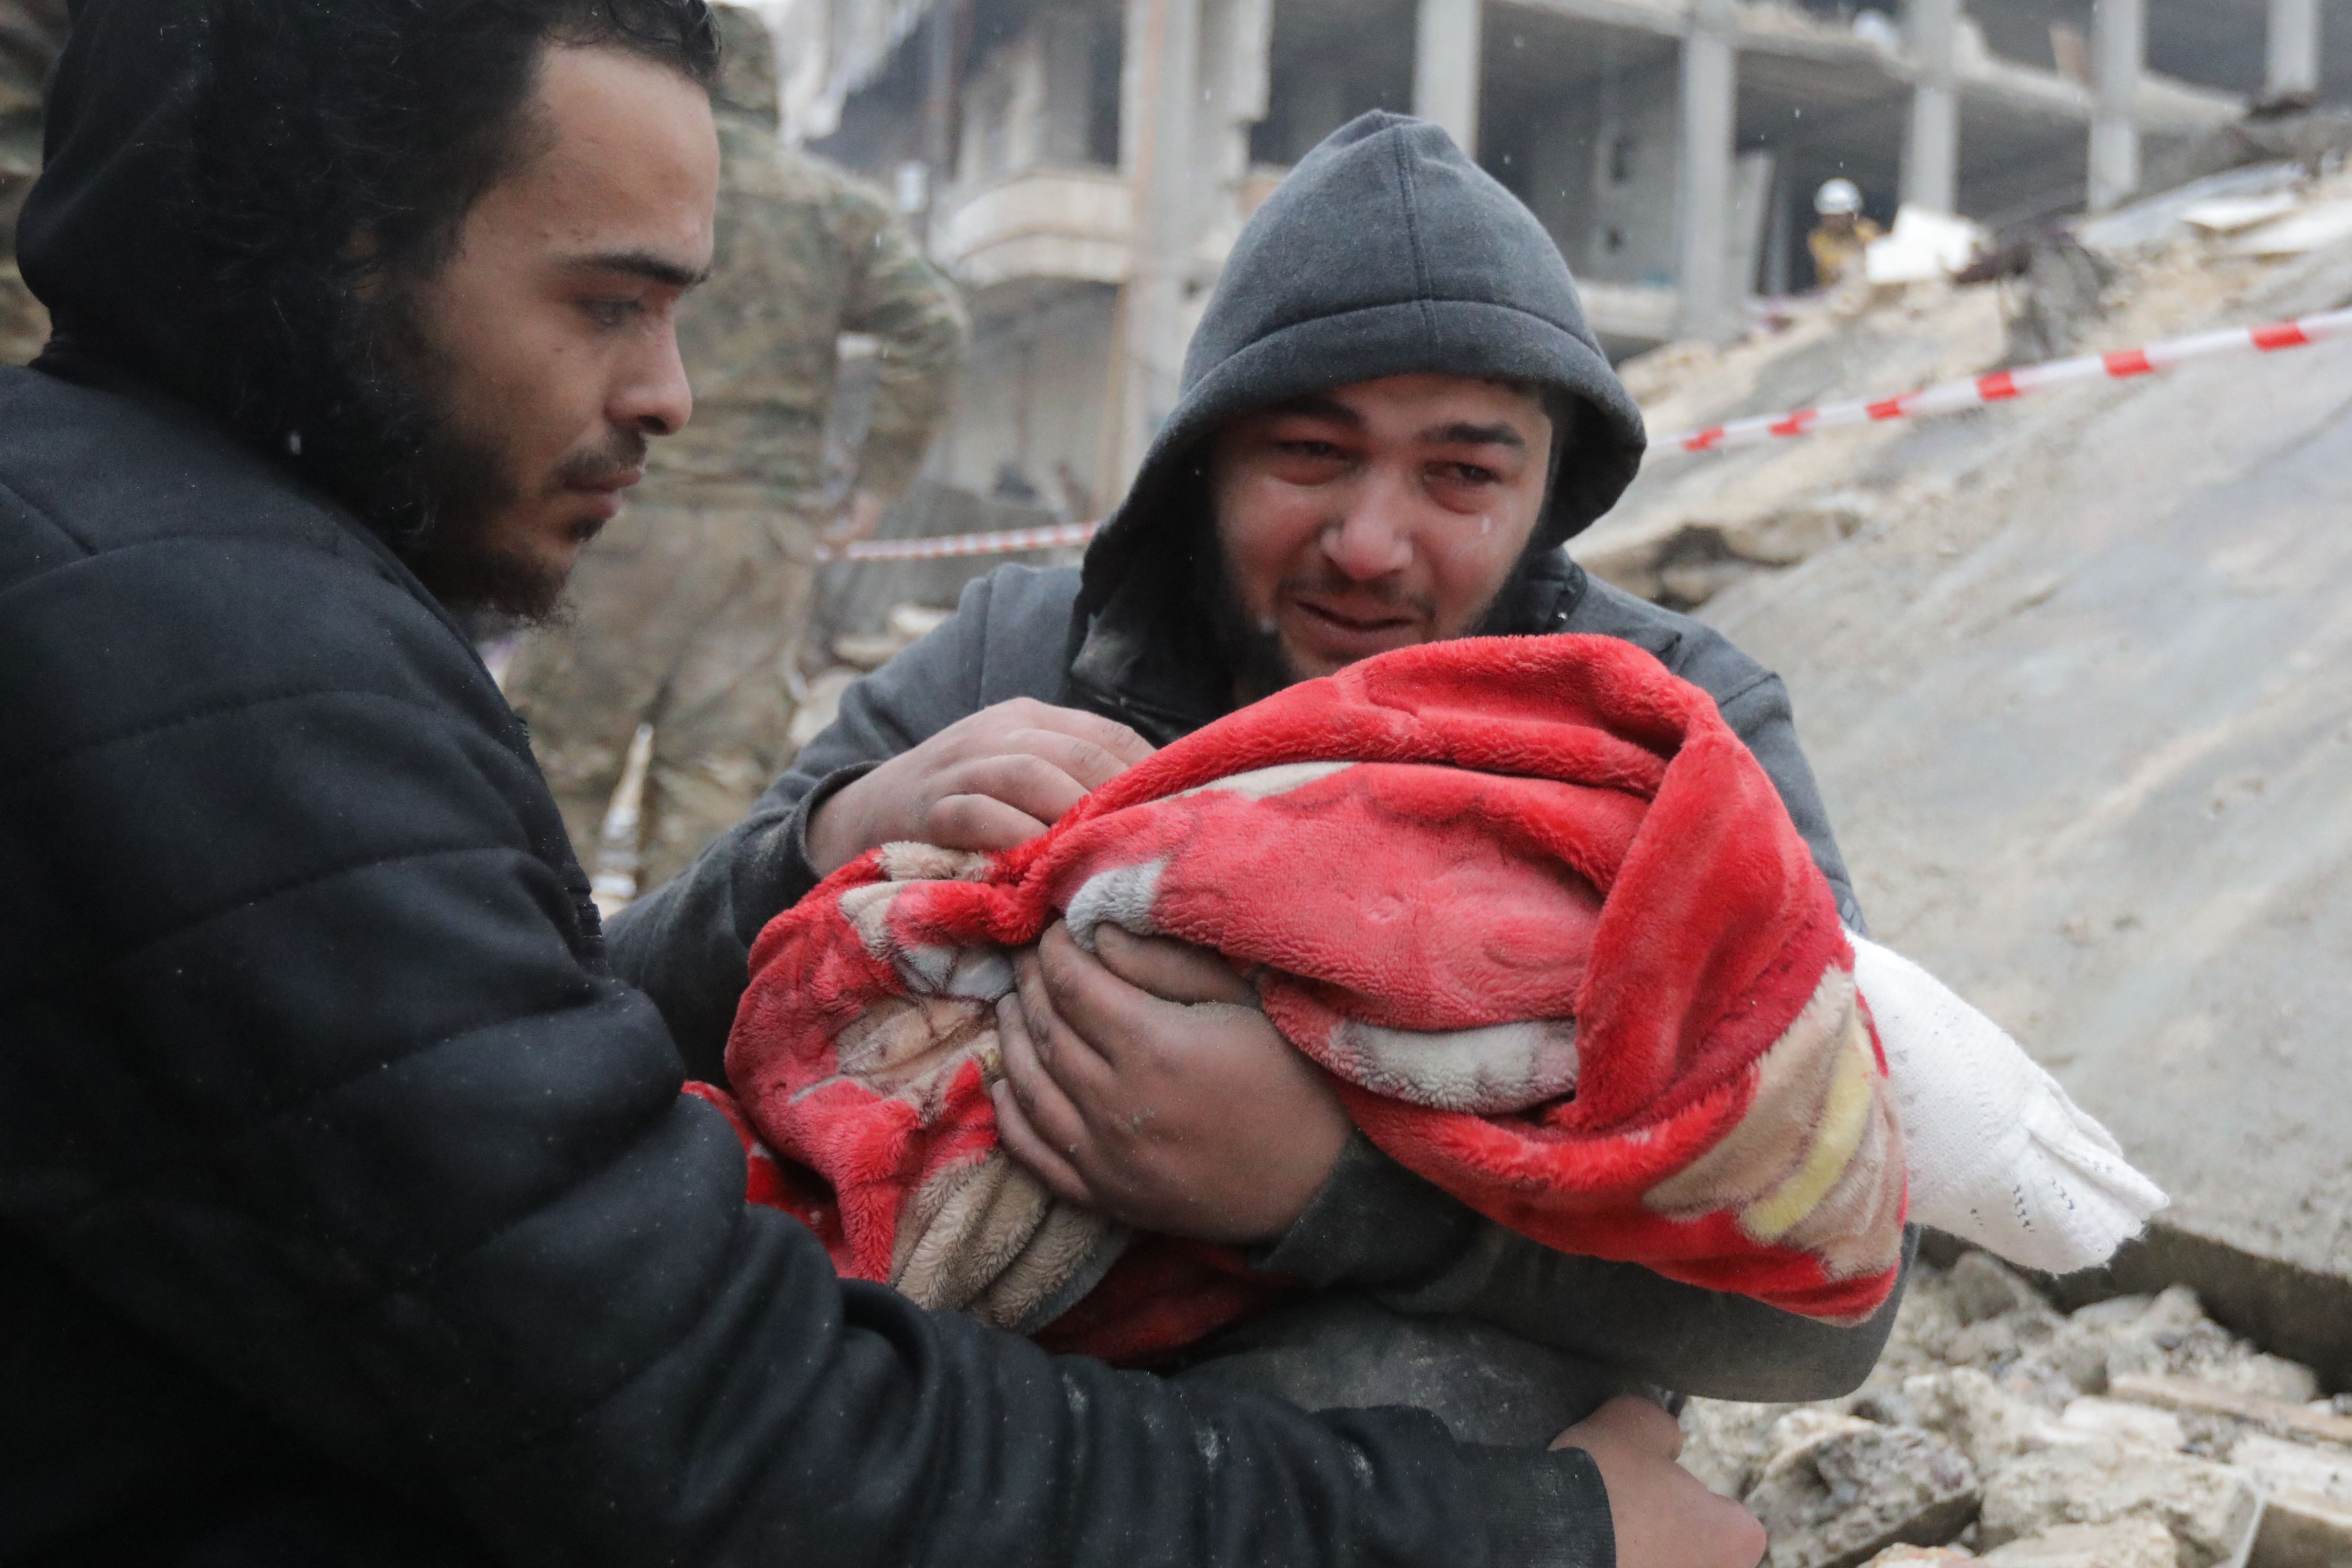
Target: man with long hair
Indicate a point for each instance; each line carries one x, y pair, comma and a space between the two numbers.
350, 1211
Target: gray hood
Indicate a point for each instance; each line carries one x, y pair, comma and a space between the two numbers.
1386, 252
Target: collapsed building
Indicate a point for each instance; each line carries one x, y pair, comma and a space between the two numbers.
1082, 166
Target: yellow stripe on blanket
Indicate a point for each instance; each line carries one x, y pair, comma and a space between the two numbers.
1845, 1118
1816, 1163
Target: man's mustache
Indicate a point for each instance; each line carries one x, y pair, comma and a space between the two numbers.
1387, 594
595, 467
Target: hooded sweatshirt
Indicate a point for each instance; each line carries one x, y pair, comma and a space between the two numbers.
1385, 252
349, 1210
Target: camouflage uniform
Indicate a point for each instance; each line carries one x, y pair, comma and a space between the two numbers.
31, 34
688, 608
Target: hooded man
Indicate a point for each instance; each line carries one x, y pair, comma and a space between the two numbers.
350, 1211
1392, 416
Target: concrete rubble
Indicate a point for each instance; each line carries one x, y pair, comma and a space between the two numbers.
1859, 1487
2131, 1433
2133, 1543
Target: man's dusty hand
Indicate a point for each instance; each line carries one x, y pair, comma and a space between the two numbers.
989, 781
1146, 1085
1662, 1517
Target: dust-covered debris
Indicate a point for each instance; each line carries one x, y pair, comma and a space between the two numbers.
1908, 1556
2123, 1543
1694, 526
2300, 1530
1842, 1498
1999, 1428
2209, 1509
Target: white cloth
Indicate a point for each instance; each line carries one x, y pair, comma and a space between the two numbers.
1998, 1155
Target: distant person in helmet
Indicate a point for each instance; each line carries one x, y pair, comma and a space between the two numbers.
1842, 237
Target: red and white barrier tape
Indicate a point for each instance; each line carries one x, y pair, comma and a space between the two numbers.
1946, 397
1053, 535
1951, 397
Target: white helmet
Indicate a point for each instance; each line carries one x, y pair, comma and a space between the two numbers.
1838, 198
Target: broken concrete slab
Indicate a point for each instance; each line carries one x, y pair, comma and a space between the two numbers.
2283, 1467
1727, 1444
2210, 1509
2124, 1543
2303, 1531
1841, 1498
2121, 1418
2202, 1397
2193, 1347
1992, 1424
2325, 1468
2304, 1312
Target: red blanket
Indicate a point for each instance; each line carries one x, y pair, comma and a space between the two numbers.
1529, 900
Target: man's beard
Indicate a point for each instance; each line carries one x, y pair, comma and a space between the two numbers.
467, 484
1252, 651
463, 482
432, 487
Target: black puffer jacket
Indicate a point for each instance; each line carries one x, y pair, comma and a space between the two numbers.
349, 1212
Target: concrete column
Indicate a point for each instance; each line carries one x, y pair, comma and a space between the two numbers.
1236, 51
2294, 51
1446, 49
1159, 90
942, 80
1069, 43
1931, 157
1710, 85
1780, 237
2119, 51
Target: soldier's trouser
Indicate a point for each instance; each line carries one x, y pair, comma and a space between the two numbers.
688, 617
